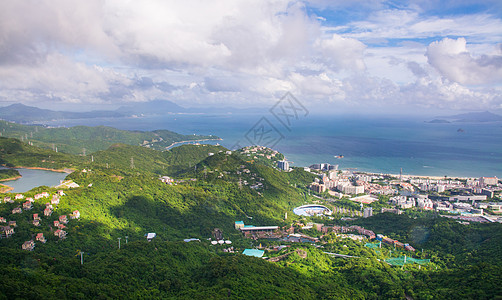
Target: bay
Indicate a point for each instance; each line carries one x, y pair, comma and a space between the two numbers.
382, 144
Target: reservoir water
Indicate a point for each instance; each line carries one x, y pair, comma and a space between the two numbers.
32, 178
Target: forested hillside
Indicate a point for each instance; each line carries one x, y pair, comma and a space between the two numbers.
120, 199
83, 140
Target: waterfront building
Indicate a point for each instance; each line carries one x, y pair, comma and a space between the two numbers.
484, 181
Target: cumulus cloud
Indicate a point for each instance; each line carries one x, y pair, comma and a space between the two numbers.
342, 53
453, 60
234, 52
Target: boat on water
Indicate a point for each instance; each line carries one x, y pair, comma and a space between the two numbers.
338, 156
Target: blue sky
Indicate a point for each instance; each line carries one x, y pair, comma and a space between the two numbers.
375, 56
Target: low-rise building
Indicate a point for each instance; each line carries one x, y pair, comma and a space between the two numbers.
28, 245
40, 237
27, 205
17, 210
63, 219
60, 233
75, 215
47, 212
6, 231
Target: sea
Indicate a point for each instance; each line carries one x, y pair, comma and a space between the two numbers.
379, 144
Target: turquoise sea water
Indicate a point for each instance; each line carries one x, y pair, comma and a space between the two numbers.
376, 144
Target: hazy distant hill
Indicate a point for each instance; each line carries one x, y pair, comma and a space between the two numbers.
151, 107
485, 116
21, 113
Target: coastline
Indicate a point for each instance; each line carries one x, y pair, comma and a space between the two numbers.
10, 179
5, 188
418, 176
69, 171
189, 141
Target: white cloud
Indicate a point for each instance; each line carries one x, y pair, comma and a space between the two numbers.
233, 52
341, 53
453, 60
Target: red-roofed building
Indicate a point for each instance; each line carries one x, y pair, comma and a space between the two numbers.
41, 238
75, 214
47, 212
63, 219
27, 205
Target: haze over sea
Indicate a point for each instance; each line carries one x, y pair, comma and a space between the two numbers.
374, 144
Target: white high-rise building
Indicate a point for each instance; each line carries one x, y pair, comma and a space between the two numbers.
283, 165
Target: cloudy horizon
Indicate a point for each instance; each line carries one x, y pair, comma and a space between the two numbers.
373, 55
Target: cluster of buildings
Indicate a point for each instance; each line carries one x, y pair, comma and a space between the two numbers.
341, 183
480, 186
8, 230
261, 153
468, 206
289, 235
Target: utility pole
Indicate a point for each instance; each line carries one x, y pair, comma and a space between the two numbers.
126, 238
119, 242
132, 162
81, 257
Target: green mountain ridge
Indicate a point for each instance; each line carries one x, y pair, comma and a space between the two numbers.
84, 140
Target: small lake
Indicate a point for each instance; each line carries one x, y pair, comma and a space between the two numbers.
32, 178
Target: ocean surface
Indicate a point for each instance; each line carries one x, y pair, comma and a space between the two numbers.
373, 144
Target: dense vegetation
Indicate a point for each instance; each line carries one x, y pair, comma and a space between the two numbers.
121, 197
6, 174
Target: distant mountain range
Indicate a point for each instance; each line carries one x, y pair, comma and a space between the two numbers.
472, 117
25, 114
21, 113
